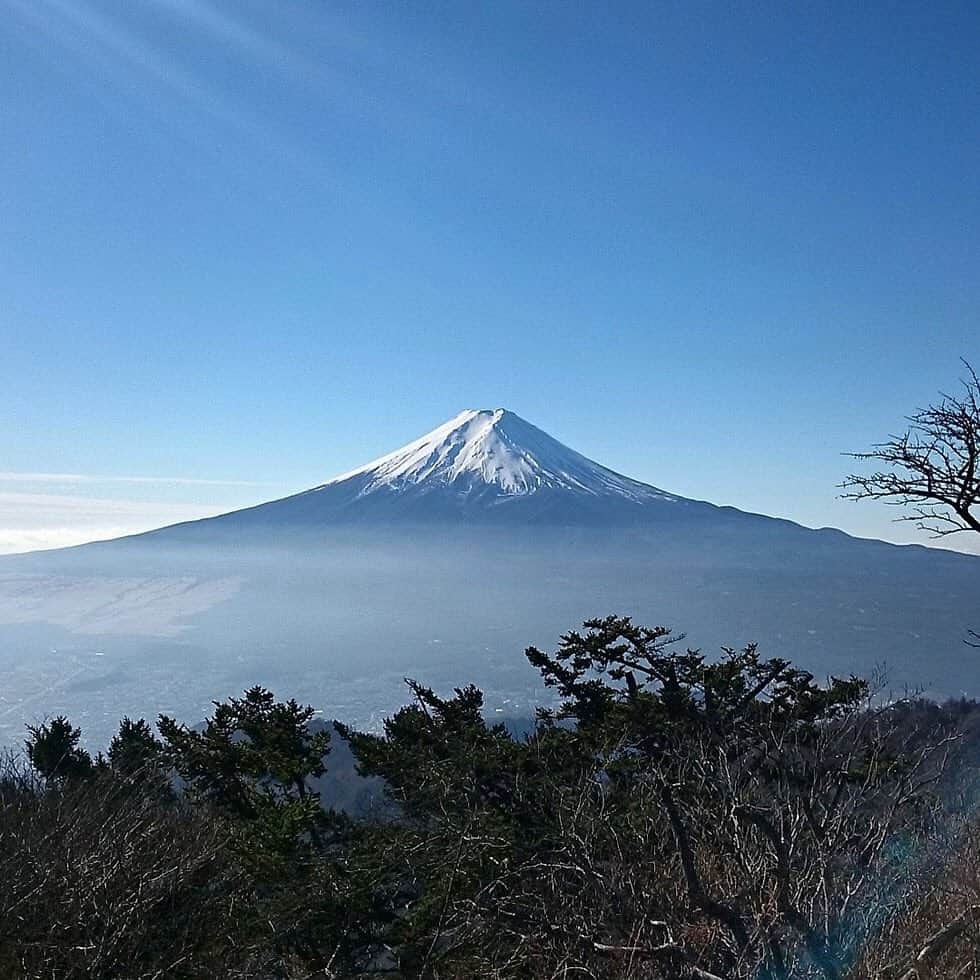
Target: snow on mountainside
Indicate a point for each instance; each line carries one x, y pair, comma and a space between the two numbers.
481, 466
498, 449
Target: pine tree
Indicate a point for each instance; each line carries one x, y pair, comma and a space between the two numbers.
54, 752
252, 761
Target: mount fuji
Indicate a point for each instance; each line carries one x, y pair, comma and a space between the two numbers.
491, 454
442, 561
482, 465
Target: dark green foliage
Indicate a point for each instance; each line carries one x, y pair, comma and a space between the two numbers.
54, 752
117, 875
136, 754
729, 783
134, 748
252, 762
439, 749
674, 817
621, 675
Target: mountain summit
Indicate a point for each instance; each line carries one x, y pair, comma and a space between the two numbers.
482, 465
492, 453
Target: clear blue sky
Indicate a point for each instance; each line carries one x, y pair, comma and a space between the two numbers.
711, 245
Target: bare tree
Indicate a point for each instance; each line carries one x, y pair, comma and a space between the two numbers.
934, 468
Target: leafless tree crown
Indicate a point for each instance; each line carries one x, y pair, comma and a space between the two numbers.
934, 468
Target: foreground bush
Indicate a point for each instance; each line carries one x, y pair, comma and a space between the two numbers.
673, 818
96, 880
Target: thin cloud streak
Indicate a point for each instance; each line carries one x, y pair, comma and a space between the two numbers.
105, 42
111, 36
96, 479
16, 541
31, 521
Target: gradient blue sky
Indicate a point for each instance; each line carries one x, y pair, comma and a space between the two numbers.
711, 245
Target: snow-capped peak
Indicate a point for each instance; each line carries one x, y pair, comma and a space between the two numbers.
497, 451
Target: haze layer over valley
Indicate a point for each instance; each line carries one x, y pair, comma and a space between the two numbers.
442, 561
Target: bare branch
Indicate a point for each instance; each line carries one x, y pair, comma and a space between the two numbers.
936, 945
934, 468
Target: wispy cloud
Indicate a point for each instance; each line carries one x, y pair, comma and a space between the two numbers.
15, 541
122, 47
56, 510
91, 478
49, 520
78, 24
